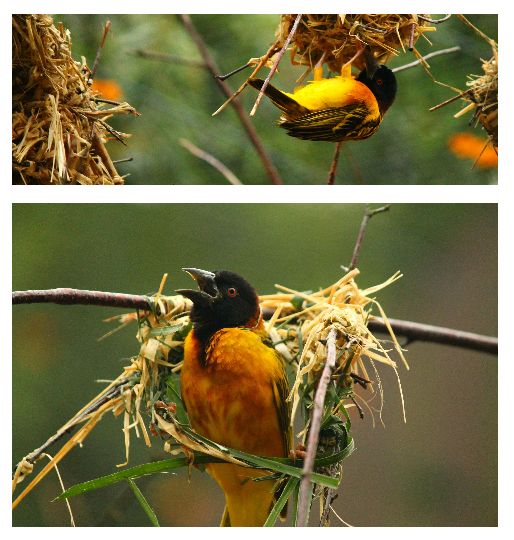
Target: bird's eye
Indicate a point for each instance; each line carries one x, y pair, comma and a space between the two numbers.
380, 82
232, 292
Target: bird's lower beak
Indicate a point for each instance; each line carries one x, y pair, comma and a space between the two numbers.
370, 62
206, 283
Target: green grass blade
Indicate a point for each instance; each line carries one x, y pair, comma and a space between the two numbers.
294, 505
282, 465
281, 502
133, 472
145, 505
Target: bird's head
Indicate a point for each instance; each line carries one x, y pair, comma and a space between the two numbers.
224, 300
382, 83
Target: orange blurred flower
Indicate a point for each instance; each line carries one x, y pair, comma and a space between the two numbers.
108, 89
469, 146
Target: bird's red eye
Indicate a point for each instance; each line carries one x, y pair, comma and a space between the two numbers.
380, 82
232, 292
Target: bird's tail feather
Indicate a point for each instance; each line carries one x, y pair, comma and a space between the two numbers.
279, 98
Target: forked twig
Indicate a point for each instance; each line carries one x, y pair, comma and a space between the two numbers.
368, 214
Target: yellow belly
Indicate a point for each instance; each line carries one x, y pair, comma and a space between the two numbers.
230, 400
333, 93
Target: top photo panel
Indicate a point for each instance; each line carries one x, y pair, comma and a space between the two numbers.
255, 99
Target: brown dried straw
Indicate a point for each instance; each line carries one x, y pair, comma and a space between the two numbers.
335, 39
59, 129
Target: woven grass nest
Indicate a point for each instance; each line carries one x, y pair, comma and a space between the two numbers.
59, 129
298, 324
336, 38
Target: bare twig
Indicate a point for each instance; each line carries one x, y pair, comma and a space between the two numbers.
333, 167
243, 117
368, 214
304, 498
211, 160
437, 334
169, 58
412, 330
427, 57
107, 27
275, 64
84, 297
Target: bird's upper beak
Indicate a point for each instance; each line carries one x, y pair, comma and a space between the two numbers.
206, 283
370, 62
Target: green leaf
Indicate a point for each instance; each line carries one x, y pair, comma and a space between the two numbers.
145, 505
281, 502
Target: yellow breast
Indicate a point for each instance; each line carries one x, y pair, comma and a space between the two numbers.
230, 399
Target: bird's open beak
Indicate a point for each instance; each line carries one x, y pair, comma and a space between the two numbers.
370, 62
206, 283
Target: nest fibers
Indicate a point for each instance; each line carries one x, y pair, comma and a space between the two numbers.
483, 95
298, 325
335, 39
59, 130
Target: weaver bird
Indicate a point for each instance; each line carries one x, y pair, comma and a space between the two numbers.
337, 109
234, 388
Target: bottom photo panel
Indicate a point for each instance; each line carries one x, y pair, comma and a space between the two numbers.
255, 365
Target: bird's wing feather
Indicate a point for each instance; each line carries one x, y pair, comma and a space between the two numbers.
348, 122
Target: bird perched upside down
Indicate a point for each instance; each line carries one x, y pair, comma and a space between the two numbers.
337, 109
234, 388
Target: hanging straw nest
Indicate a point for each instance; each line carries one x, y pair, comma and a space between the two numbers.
336, 38
59, 130
483, 95
298, 325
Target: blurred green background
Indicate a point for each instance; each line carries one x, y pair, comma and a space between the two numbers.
177, 101
440, 468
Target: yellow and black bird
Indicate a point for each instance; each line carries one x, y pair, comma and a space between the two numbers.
336, 109
234, 388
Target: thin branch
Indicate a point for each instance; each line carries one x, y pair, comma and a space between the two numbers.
434, 21
412, 330
107, 27
211, 160
437, 334
84, 297
243, 117
168, 58
304, 498
276, 63
333, 168
368, 214
427, 57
